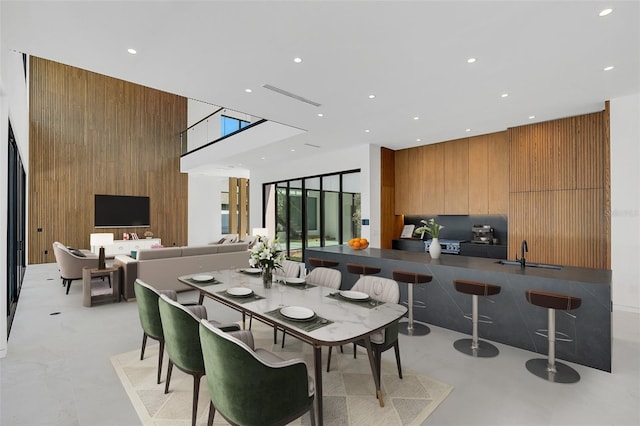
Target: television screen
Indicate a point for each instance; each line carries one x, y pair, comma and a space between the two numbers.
120, 211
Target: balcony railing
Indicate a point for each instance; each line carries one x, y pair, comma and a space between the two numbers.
211, 129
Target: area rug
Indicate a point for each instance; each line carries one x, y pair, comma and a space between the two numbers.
349, 390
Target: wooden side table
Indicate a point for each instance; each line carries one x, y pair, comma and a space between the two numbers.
112, 274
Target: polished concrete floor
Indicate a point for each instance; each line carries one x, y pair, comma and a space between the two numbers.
57, 369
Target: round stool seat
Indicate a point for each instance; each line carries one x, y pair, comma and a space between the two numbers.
355, 268
476, 288
548, 368
410, 328
325, 263
549, 300
411, 277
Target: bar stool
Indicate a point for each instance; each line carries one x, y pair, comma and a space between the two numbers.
473, 346
548, 368
412, 278
325, 263
355, 268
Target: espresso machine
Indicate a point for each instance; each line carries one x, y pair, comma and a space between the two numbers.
482, 234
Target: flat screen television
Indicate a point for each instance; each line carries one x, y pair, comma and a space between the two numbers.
121, 211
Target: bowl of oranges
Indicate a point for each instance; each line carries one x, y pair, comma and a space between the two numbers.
358, 243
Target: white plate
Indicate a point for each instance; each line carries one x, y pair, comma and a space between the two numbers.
295, 281
202, 278
239, 291
297, 313
355, 295
252, 270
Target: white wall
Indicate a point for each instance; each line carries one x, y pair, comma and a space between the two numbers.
204, 208
13, 106
625, 202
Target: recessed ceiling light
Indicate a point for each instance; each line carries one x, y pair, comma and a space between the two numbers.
504, 95
372, 96
467, 130
531, 117
297, 60
471, 60
367, 130
132, 51
416, 118
292, 150
248, 90
605, 12
263, 158
609, 68
418, 140
320, 114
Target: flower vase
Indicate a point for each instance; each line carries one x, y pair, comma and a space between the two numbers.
435, 249
267, 277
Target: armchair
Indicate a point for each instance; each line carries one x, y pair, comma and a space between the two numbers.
71, 262
182, 341
250, 387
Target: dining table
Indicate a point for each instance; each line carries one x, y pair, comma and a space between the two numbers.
317, 315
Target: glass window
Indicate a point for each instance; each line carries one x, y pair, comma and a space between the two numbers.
229, 125
331, 217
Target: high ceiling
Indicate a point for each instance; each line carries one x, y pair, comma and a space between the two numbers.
549, 57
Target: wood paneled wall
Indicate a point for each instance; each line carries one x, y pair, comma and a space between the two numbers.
92, 134
551, 178
559, 191
391, 225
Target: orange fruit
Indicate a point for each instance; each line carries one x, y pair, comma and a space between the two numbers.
365, 245
356, 245
363, 241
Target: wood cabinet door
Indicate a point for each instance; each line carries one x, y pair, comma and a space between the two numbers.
456, 182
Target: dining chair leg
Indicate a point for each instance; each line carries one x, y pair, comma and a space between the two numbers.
354, 351
144, 345
329, 359
396, 347
284, 333
196, 392
312, 414
212, 413
68, 285
160, 355
377, 354
169, 369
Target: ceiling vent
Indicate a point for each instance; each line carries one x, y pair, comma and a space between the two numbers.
312, 145
291, 95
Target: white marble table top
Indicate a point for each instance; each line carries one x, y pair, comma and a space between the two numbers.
349, 321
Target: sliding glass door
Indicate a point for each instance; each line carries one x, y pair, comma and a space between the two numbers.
314, 211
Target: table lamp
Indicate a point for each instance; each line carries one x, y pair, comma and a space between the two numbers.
101, 240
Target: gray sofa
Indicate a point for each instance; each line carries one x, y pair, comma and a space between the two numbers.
160, 267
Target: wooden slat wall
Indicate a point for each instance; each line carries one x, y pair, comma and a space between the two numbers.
559, 191
92, 134
432, 180
479, 174
498, 160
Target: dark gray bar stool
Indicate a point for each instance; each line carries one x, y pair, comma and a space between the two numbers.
412, 278
473, 346
548, 368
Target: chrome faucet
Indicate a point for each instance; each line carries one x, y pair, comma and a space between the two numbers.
524, 248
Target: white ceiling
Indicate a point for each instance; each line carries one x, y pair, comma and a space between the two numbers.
547, 55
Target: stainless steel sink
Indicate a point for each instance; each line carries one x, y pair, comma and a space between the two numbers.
529, 264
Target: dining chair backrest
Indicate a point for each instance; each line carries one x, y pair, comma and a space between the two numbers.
389, 289
290, 269
246, 388
326, 277
182, 339
148, 310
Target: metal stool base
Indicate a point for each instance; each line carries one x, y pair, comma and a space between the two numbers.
484, 350
418, 329
563, 373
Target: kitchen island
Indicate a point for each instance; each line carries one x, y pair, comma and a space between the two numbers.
514, 321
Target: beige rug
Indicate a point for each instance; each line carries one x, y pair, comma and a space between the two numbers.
349, 390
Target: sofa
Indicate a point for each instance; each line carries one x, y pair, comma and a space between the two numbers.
161, 267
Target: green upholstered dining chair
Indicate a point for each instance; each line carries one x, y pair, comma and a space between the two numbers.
180, 326
383, 290
149, 313
253, 387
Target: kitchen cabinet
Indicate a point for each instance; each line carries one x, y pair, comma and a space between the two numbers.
456, 183
489, 174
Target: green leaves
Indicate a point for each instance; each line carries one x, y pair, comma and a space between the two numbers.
430, 227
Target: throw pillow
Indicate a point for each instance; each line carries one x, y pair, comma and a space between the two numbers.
77, 253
